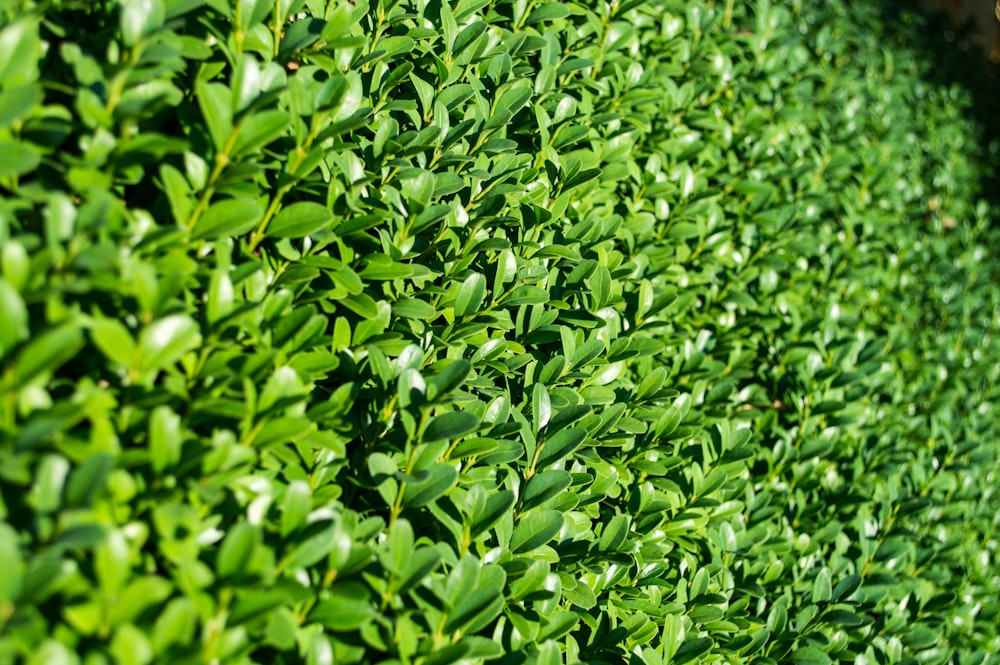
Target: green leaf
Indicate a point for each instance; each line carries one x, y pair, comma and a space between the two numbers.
558, 625
283, 430
673, 635
318, 542
13, 318
541, 406
544, 486
215, 102
165, 438
11, 563
163, 342
614, 534
130, 646
809, 655
295, 506
382, 267
481, 606
253, 12
346, 609
18, 159
467, 36
474, 447
440, 478
846, 587
15, 266
450, 425
49, 351
300, 35
259, 130
496, 507
300, 220
560, 445
362, 304
81, 537
20, 50
115, 341
237, 550
758, 639
449, 379
513, 100
246, 82
580, 178
229, 217
140, 18
692, 649
453, 653
349, 102
283, 386
684, 230
17, 102
255, 603
549, 11
398, 547
419, 565
111, 563
525, 295
178, 192
842, 618
176, 624
534, 530
412, 308
88, 479
177, 8
470, 295
892, 548
822, 590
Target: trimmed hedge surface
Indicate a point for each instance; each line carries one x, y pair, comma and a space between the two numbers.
522, 332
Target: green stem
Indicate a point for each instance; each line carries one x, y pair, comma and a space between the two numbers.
411, 459
524, 17
239, 35
221, 162
277, 27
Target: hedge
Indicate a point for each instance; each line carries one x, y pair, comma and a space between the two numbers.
640, 332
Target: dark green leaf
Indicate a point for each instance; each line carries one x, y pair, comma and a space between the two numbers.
229, 217
497, 505
470, 295
49, 351
440, 478
18, 159
12, 563
549, 11
237, 550
17, 102
467, 36
163, 342
450, 425
140, 18
20, 50
534, 530
692, 649
346, 609
809, 655
299, 220
543, 486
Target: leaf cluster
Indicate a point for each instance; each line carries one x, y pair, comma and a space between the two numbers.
430, 332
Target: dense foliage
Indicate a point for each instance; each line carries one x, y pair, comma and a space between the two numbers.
509, 331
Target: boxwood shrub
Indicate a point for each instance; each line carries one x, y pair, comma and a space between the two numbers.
508, 331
